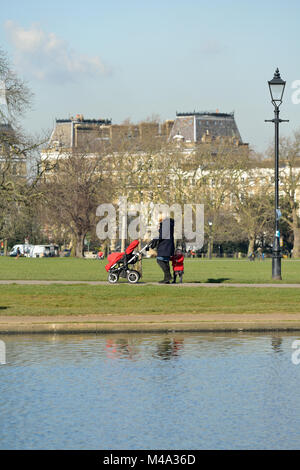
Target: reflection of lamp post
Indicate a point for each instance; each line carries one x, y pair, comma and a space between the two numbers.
276, 344
276, 86
209, 240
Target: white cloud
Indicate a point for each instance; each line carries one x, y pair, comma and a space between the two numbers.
47, 57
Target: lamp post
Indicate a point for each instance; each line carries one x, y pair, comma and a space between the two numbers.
276, 87
209, 241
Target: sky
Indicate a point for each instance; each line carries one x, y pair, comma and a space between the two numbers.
135, 59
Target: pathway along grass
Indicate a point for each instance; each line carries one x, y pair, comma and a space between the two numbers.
196, 270
68, 300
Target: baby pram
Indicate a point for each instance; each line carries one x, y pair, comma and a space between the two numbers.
118, 263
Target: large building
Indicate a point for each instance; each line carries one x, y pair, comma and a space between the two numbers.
196, 127
205, 127
78, 132
75, 132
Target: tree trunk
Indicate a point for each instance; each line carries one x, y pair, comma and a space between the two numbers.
210, 247
113, 243
251, 245
73, 246
296, 247
79, 245
5, 247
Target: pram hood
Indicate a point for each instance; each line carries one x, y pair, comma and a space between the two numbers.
131, 247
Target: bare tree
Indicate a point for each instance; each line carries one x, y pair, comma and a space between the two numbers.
18, 189
253, 210
289, 176
72, 190
18, 96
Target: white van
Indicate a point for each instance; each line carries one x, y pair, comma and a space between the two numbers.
39, 251
25, 250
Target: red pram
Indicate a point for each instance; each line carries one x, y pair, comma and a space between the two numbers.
118, 263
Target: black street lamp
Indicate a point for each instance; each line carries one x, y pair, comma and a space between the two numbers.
276, 86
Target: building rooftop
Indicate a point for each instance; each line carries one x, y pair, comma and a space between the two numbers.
205, 126
84, 121
78, 132
214, 114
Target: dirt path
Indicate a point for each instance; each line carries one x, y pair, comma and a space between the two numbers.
162, 322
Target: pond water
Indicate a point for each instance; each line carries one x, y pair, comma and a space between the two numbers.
150, 391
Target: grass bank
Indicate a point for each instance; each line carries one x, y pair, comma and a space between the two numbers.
132, 300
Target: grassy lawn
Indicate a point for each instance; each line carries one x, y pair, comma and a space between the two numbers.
196, 270
150, 299
145, 299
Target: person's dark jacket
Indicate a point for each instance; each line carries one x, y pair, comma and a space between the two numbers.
166, 245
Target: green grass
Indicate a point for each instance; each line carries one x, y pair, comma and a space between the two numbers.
196, 270
151, 299
145, 299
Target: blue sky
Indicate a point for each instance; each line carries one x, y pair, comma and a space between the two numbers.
121, 59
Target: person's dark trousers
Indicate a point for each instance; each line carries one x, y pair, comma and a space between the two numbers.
179, 274
165, 266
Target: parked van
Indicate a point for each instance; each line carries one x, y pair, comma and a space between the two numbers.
24, 250
39, 251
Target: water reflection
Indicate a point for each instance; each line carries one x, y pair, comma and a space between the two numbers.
150, 391
169, 348
131, 348
79, 348
276, 344
121, 348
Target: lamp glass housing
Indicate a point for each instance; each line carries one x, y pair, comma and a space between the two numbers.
276, 87
276, 91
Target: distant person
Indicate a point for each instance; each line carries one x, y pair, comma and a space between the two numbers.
259, 253
18, 253
177, 263
165, 247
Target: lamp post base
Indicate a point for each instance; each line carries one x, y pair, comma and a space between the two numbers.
276, 259
276, 267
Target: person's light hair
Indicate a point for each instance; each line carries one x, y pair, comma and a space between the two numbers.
162, 216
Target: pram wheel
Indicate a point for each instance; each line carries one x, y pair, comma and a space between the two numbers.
113, 278
133, 276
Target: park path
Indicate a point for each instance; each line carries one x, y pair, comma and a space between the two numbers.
185, 284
